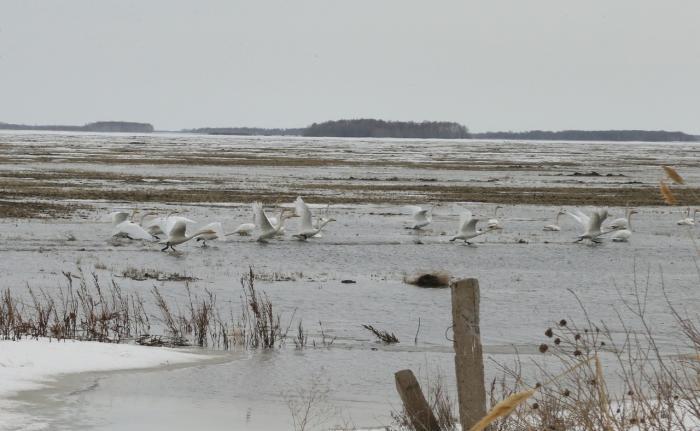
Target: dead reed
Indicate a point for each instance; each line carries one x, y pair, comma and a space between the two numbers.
658, 391
85, 309
667, 194
261, 324
441, 403
384, 336
673, 175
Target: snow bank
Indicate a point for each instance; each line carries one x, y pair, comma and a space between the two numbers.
30, 364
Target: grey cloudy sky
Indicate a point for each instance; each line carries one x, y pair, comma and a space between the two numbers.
492, 65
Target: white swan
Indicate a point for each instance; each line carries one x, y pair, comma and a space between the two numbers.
467, 228
244, 229
494, 223
163, 225
421, 217
118, 217
124, 228
210, 232
623, 222
688, 221
177, 235
555, 227
591, 225
307, 229
621, 235
267, 230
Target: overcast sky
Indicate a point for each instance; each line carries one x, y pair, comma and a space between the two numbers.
491, 65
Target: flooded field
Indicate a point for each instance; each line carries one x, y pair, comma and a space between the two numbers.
527, 276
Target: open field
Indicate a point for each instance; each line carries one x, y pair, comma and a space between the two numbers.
57, 188
183, 169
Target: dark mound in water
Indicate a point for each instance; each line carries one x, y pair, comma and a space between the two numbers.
431, 279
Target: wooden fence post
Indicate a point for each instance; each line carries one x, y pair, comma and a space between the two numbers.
469, 360
417, 408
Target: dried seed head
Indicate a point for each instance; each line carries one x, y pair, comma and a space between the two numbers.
666, 194
562, 322
577, 337
502, 409
549, 332
566, 392
557, 341
577, 353
673, 175
602, 343
535, 406
538, 385
543, 348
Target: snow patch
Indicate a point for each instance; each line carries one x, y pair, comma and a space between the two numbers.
32, 364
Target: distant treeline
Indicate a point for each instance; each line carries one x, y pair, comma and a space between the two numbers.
592, 135
99, 126
259, 131
370, 128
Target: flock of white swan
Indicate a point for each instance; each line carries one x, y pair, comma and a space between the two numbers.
172, 230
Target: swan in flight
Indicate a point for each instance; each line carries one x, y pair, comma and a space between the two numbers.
421, 217
263, 222
591, 225
124, 228
163, 225
177, 235
623, 222
307, 229
467, 228
118, 217
688, 221
321, 219
494, 223
210, 232
555, 227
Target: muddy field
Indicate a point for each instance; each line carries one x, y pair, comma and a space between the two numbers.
201, 169
57, 188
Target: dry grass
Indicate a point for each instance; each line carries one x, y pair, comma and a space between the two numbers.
91, 311
441, 403
261, 323
502, 409
383, 336
24, 209
659, 392
87, 311
278, 276
668, 196
345, 193
673, 175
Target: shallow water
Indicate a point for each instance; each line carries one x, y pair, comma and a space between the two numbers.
524, 287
